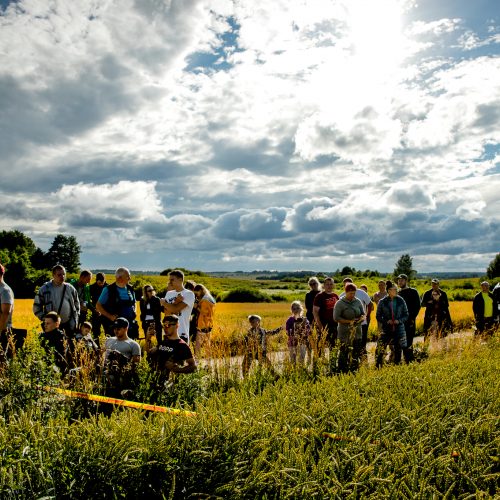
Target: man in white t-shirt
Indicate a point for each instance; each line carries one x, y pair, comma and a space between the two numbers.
179, 301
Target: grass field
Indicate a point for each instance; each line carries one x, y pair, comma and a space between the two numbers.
427, 430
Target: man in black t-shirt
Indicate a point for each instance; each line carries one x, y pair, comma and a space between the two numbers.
172, 354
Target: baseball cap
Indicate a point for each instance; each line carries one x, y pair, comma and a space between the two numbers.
485, 283
434, 280
403, 277
120, 323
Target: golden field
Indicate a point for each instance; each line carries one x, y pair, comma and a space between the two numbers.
231, 319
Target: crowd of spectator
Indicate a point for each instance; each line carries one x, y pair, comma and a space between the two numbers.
177, 327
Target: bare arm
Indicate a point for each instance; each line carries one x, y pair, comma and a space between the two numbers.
190, 366
4, 316
103, 312
173, 308
316, 317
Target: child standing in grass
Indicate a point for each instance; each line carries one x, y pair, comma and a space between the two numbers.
298, 330
256, 343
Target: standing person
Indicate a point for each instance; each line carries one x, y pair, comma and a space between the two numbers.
95, 292
6, 309
256, 344
150, 311
61, 297
349, 313
121, 359
412, 299
83, 290
382, 292
365, 299
298, 330
392, 314
324, 302
118, 301
437, 312
193, 320
377, 297
205, 316
496, 295
172, 354
179, 301
485, 308
369, 311
309, 299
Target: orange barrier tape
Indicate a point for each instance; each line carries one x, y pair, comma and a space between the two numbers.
121, 402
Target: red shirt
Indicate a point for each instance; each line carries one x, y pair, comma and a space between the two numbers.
326, 302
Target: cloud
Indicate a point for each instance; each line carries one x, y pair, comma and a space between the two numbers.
283, 133
251, 225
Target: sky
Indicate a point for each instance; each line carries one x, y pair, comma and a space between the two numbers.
249, 134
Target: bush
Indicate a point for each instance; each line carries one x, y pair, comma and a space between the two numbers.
242, 294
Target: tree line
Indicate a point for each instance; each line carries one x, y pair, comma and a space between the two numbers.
28, 266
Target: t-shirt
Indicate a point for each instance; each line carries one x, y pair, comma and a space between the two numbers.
127, 347
127, 302
184, 315
175, 350
326, 302
488, 305
7, 297
363, 297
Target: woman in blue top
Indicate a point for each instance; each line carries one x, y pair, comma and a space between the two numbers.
392, 313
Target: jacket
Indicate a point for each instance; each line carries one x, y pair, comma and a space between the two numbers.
388, 309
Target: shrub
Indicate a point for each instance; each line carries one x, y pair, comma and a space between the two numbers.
242, 294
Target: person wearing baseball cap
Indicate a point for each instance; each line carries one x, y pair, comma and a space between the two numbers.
485, 308
121, 359
437, 310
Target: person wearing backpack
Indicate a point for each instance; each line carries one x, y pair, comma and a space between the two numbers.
118, 301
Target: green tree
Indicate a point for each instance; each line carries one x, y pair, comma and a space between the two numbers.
405, 266
65, 250
347, 271
16, 250
493, 270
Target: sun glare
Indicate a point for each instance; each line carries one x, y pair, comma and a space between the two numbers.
376, 33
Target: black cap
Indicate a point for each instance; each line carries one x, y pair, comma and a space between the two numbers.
120, 323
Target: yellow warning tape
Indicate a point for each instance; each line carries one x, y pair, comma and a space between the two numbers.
186, 413
121, 402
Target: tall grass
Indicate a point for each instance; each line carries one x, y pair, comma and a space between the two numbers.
428, 430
